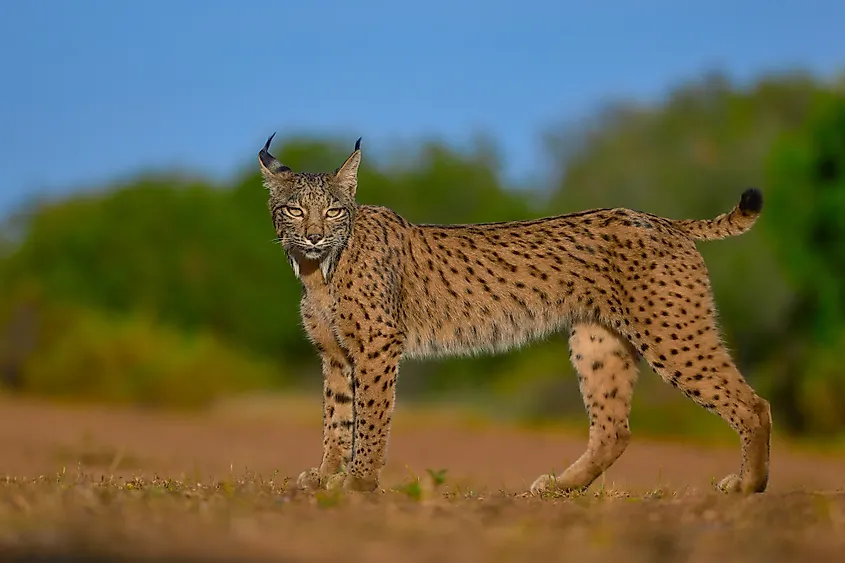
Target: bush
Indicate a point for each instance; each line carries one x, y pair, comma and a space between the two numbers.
76, 353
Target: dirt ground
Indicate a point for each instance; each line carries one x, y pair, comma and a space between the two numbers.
214, 487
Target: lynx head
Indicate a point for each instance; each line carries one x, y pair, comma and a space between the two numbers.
312, 212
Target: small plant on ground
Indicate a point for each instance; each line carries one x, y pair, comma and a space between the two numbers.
419, 488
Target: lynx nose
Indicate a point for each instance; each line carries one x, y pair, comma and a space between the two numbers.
314, 238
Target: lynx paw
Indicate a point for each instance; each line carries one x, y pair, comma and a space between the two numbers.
543, 483
730, 484
309, 480
349, 482
564, 483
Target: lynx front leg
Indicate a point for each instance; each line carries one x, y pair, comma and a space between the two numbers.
376, 361
338, 415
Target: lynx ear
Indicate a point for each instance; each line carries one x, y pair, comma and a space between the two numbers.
347, 175
270, 167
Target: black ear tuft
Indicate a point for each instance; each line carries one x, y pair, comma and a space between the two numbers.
751, 201
358, 144
268, 160
267, 144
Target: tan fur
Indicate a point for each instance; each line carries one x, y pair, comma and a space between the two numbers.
626, 283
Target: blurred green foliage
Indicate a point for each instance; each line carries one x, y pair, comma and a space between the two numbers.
806, 223
73, 352
172, 279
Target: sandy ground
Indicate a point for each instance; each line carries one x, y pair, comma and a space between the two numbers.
476, 515
38, 439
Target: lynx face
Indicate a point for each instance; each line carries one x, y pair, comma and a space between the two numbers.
309, 218
312, 213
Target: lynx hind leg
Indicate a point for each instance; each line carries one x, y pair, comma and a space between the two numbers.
607, 373
694, 360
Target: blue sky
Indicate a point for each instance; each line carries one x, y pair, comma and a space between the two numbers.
97, 90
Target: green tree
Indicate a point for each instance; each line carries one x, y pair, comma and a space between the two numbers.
806, 224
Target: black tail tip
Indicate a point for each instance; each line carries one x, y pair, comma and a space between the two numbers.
751, 201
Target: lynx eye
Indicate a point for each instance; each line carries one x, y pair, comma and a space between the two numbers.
293, 211
334, 212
